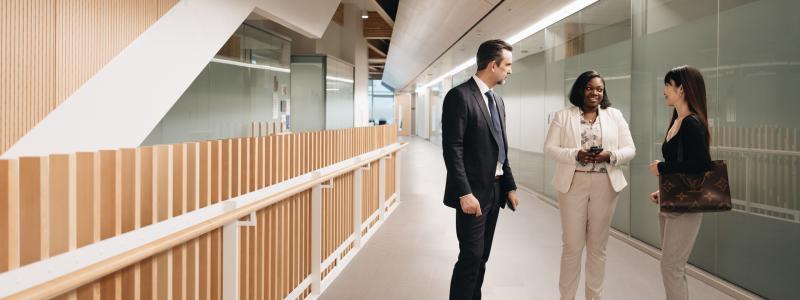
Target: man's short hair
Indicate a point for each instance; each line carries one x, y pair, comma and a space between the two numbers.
489, 51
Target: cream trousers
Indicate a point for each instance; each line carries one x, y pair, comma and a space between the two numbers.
586, 212
678, 233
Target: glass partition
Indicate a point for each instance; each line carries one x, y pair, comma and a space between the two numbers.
322, 93
381, 103
339, 103
248, 81
308, 93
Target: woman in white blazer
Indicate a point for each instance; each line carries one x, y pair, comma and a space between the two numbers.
588, 141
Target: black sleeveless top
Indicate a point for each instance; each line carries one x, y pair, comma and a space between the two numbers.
691, 136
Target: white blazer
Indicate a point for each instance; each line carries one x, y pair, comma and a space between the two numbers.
564, 141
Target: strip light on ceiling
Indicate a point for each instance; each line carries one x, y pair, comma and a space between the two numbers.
566, 11
459, 68
246, 65
339, 79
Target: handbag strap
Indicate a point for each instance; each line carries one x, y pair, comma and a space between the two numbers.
680, 148
680, 140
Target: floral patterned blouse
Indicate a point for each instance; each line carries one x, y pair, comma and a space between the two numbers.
591, 135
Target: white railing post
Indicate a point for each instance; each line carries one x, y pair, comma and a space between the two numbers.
230, 253
382, 187
397, 176
230, 261
358, 194
316, 237
316, 240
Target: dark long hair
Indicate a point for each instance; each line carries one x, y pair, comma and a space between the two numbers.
576, 95
694, 91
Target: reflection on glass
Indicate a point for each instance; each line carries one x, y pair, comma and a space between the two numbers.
255, 46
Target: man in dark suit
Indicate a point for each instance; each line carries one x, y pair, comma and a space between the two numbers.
479, 179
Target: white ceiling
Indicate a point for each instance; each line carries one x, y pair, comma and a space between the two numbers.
423, 30
297, 16
509, 18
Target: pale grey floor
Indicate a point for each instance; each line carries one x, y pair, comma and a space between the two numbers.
412, 255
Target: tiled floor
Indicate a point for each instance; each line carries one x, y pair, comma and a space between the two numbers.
412, 255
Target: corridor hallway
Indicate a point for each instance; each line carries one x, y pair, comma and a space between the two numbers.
412, 255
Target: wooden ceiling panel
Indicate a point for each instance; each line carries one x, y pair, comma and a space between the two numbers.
376, 27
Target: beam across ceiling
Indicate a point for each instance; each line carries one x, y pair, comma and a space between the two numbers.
376, 49
381, 12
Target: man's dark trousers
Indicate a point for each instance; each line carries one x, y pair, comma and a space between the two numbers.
475, 235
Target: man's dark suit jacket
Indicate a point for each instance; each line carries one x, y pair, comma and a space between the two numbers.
470, 151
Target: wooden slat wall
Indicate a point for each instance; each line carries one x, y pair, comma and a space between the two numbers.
276, 254
369, 202
50, 48
50, 205
337, 216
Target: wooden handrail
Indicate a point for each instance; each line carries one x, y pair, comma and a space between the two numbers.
39, 285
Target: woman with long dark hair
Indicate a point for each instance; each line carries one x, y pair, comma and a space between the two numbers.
688, 137
589, 142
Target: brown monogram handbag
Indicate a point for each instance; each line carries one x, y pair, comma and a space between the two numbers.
708, 192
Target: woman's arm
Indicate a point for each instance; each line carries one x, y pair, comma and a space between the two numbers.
696, 158
552, 143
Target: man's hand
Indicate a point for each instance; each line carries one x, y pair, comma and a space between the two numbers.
470, 205
512, 200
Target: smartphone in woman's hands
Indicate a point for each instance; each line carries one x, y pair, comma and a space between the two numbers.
596, 149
